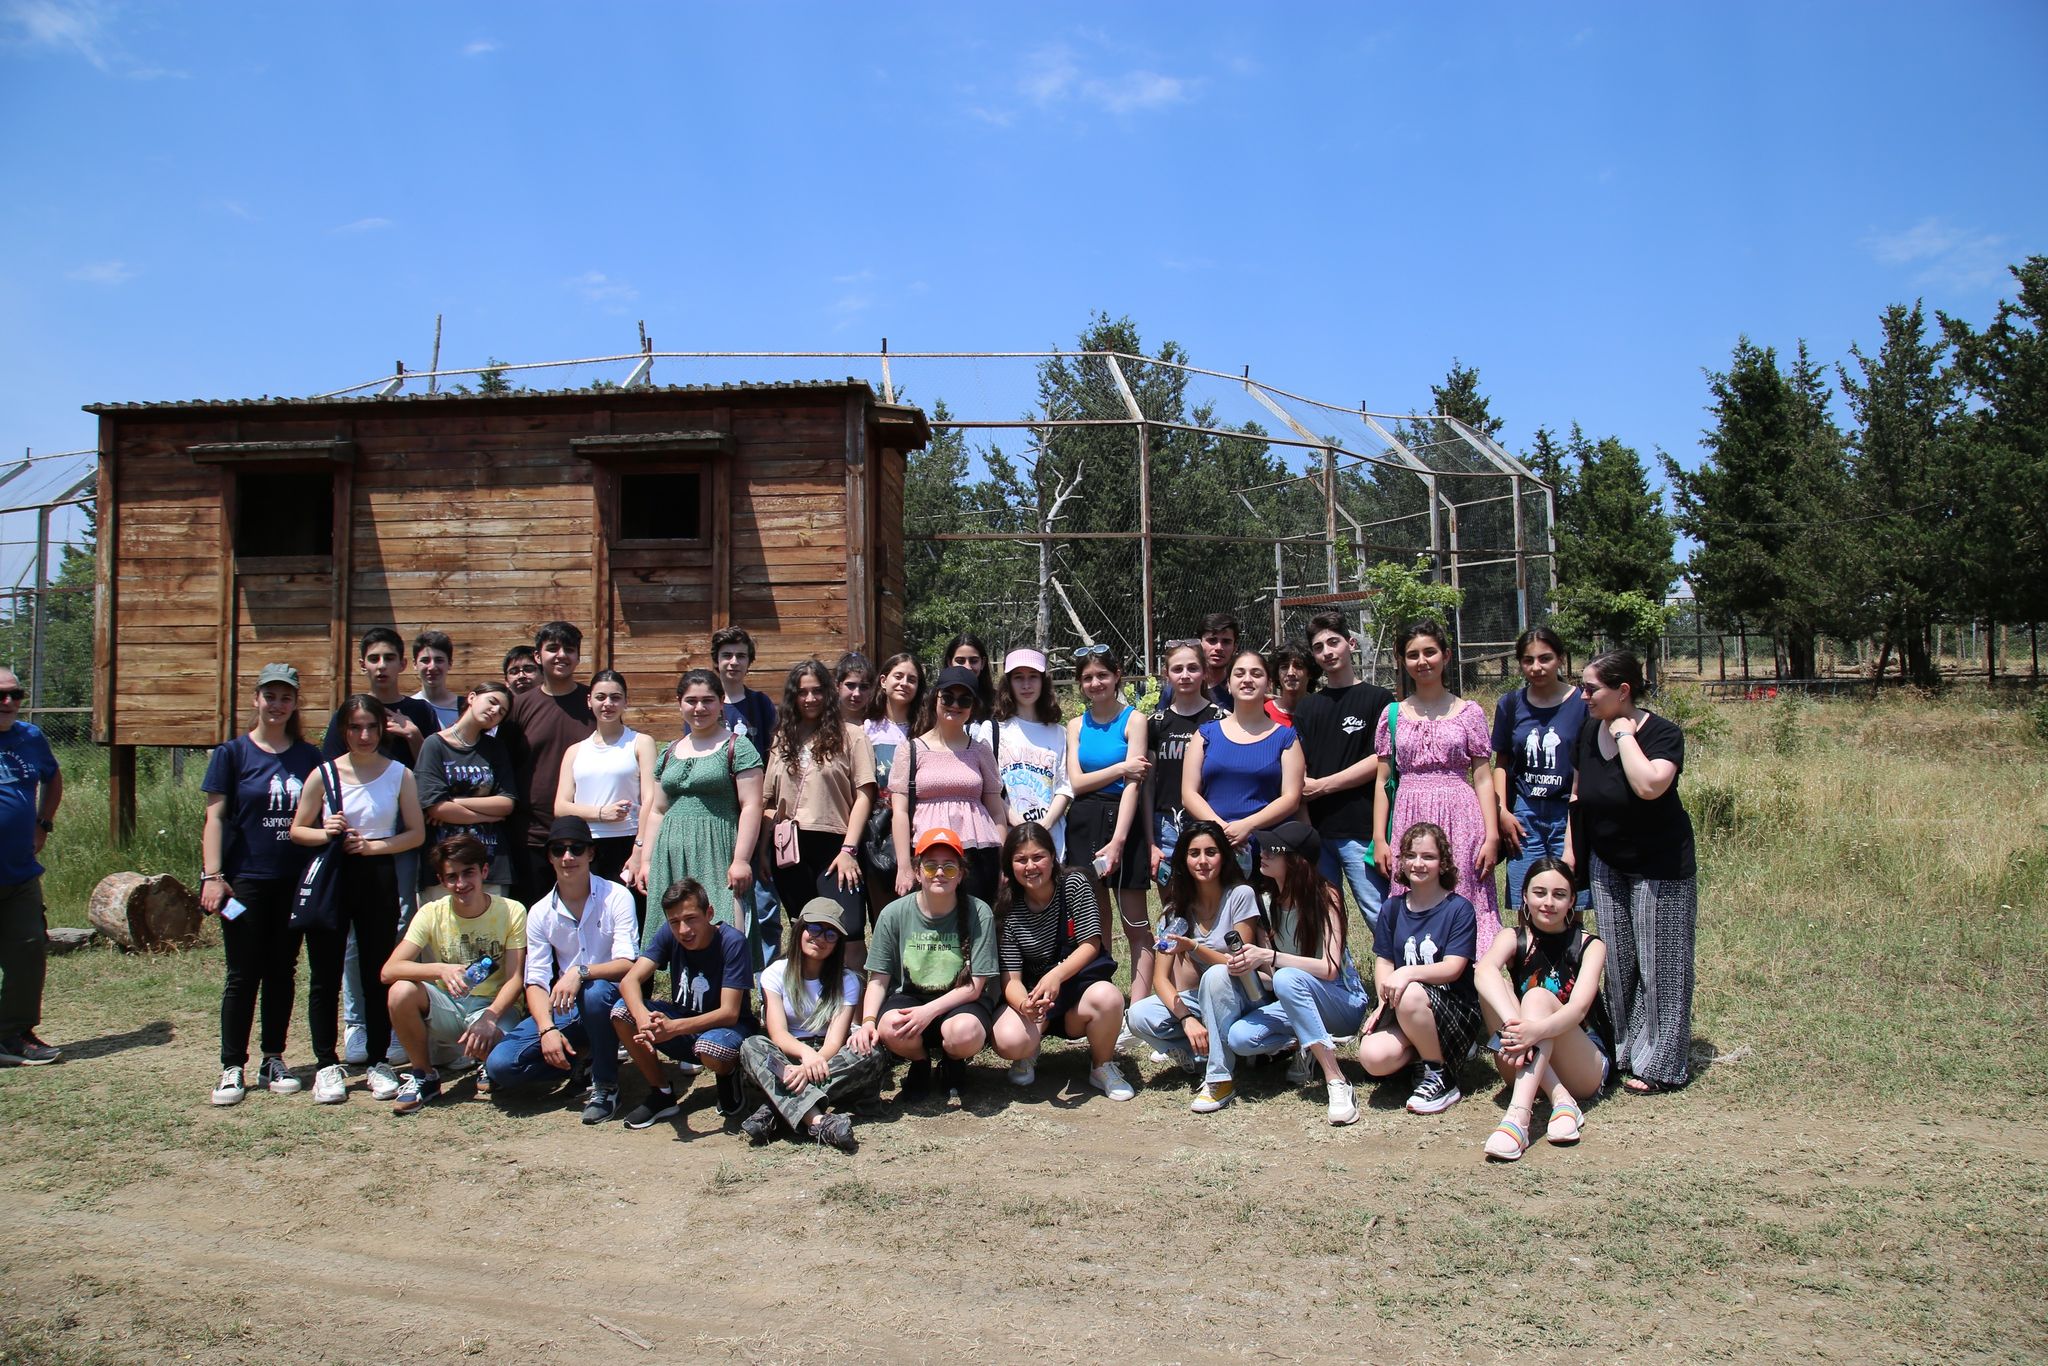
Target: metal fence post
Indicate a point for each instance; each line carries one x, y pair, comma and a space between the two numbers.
39, 610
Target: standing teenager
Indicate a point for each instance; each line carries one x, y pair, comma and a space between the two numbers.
1168, 731
706, 811
1107, 768
748, 713
819, 789
379, 819
1342, 770
545, 721
1244, 771
1030, 744
433, 655
521, 669
893, 714
467, 786
1535, 732
854, 679
1220, 632
1443, 758
944, 779
249, 874
965, 651
1293, 671
607, 778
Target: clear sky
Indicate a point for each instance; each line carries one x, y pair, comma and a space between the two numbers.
1588, 203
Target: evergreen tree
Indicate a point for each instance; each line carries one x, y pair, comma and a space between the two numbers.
1613, 533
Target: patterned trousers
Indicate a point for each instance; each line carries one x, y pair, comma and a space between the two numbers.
1648, 924
847, 1074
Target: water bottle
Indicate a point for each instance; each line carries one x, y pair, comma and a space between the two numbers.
1253, 987
475, 973
1172, 924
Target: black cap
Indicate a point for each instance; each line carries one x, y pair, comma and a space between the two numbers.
953, 676
569, 828
1292, 837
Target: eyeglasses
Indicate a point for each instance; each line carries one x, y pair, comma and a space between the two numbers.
940, 867
822, 931
12, 694
568, 849
1100, 647
1178, 644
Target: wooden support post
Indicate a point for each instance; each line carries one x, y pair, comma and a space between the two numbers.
121, 793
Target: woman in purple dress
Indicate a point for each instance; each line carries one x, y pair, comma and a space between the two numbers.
1443, 755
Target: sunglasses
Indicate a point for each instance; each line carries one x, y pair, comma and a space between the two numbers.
1178, 644
940, 867
821, 930
568, 849
1088, 651
956, 699
13, 694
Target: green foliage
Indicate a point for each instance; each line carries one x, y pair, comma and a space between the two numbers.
2037, 713
1612, 533
1587, 616
492, 380
1399, 594
1686, 705
1458, 396
1787, 724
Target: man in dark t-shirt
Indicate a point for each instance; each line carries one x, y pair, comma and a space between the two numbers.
748, 712
543, 724
1335, 727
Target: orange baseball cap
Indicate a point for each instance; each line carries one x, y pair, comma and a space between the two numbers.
933, 839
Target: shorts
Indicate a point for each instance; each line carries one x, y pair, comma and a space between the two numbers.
1458, 1020
448, 1017
934, 1045
1492, 1045
1091, 820
1103, 969
683, 1048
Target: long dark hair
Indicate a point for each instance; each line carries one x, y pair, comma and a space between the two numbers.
828, 740
831, 978
1574, 918
1434, 629
878, 705
984, 686
700, 676
1180, 885
365, 703
1303, 889
1543, 635
1048, 701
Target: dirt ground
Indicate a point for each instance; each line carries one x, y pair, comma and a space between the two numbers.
140, 1224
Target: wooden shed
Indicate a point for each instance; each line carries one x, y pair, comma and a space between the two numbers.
234, 533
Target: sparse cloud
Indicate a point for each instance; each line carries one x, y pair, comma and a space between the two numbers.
479, 47
362, 225
82, 28
1058, 79
108, 273
599, 288
1941, 254
235, 208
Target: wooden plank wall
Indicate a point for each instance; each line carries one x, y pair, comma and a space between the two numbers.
887, 557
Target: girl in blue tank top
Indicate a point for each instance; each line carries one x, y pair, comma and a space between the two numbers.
1244, 772
1107, 768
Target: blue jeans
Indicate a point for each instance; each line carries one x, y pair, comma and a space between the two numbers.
406, 867
1353, 858
1543, 826
1219, 1000
587, 1028
1304, 1008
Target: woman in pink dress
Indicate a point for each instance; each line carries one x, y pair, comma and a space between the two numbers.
1445, 770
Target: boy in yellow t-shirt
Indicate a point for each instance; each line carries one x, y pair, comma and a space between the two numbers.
458, 973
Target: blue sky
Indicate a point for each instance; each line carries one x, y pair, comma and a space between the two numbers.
1588, 203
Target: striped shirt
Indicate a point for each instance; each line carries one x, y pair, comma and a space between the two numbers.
1035, 940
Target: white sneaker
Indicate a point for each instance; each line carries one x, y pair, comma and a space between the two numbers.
1300, 1068
1343, 1102
1187, 1062
1109, 1079
230, 1091
1024, 1071
274, 1075
1125, 1040
330, 1086
383, 1081
395, 1053
355, 1047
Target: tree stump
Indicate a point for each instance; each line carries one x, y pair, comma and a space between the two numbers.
144, 914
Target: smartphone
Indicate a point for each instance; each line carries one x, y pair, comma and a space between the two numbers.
1101, 866
231, 909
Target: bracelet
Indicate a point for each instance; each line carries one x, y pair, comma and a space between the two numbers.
871, 1019
849, 848
552, 1029
205, 878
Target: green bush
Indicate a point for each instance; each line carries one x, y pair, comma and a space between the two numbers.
1787, 724
2037, 712
1692, 711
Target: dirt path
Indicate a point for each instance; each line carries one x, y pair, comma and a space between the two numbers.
1044, 1227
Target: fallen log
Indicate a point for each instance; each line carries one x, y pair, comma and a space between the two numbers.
145, 914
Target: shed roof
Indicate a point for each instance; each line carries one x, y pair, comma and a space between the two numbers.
847, 385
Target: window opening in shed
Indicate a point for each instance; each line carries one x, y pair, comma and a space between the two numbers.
661, 507
284, 512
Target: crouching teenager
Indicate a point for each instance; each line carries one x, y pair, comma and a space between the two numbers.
458, 973
931, 959
580, 941
710, 1011
806, 1061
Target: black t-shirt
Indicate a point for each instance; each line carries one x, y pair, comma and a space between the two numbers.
1167, 733
334, 744
1645, 839
1336, 730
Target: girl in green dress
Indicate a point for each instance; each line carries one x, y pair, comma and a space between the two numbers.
707, 807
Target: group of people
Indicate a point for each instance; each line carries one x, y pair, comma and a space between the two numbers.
954, 858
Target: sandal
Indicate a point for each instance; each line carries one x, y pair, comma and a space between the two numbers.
1567, 1123
1507, 1142
1644, 1086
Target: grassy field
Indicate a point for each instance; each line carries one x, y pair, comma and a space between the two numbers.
1853, 1176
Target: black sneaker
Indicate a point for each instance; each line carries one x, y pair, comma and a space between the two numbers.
953, 1076
1436, 1092
729, 1098
835, 1131
658, 1105
917, 1082
415, 1091
26, 1050
760, 1126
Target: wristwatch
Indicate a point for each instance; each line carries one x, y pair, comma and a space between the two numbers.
45, 826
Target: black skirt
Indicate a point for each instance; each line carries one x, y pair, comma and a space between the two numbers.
1091, 821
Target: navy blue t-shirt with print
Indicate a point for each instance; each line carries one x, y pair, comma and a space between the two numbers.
262, 791
698, 975
1536, 744
1410, 938
25, 764
754, 717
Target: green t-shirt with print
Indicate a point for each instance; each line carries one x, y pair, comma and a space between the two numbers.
923, 956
